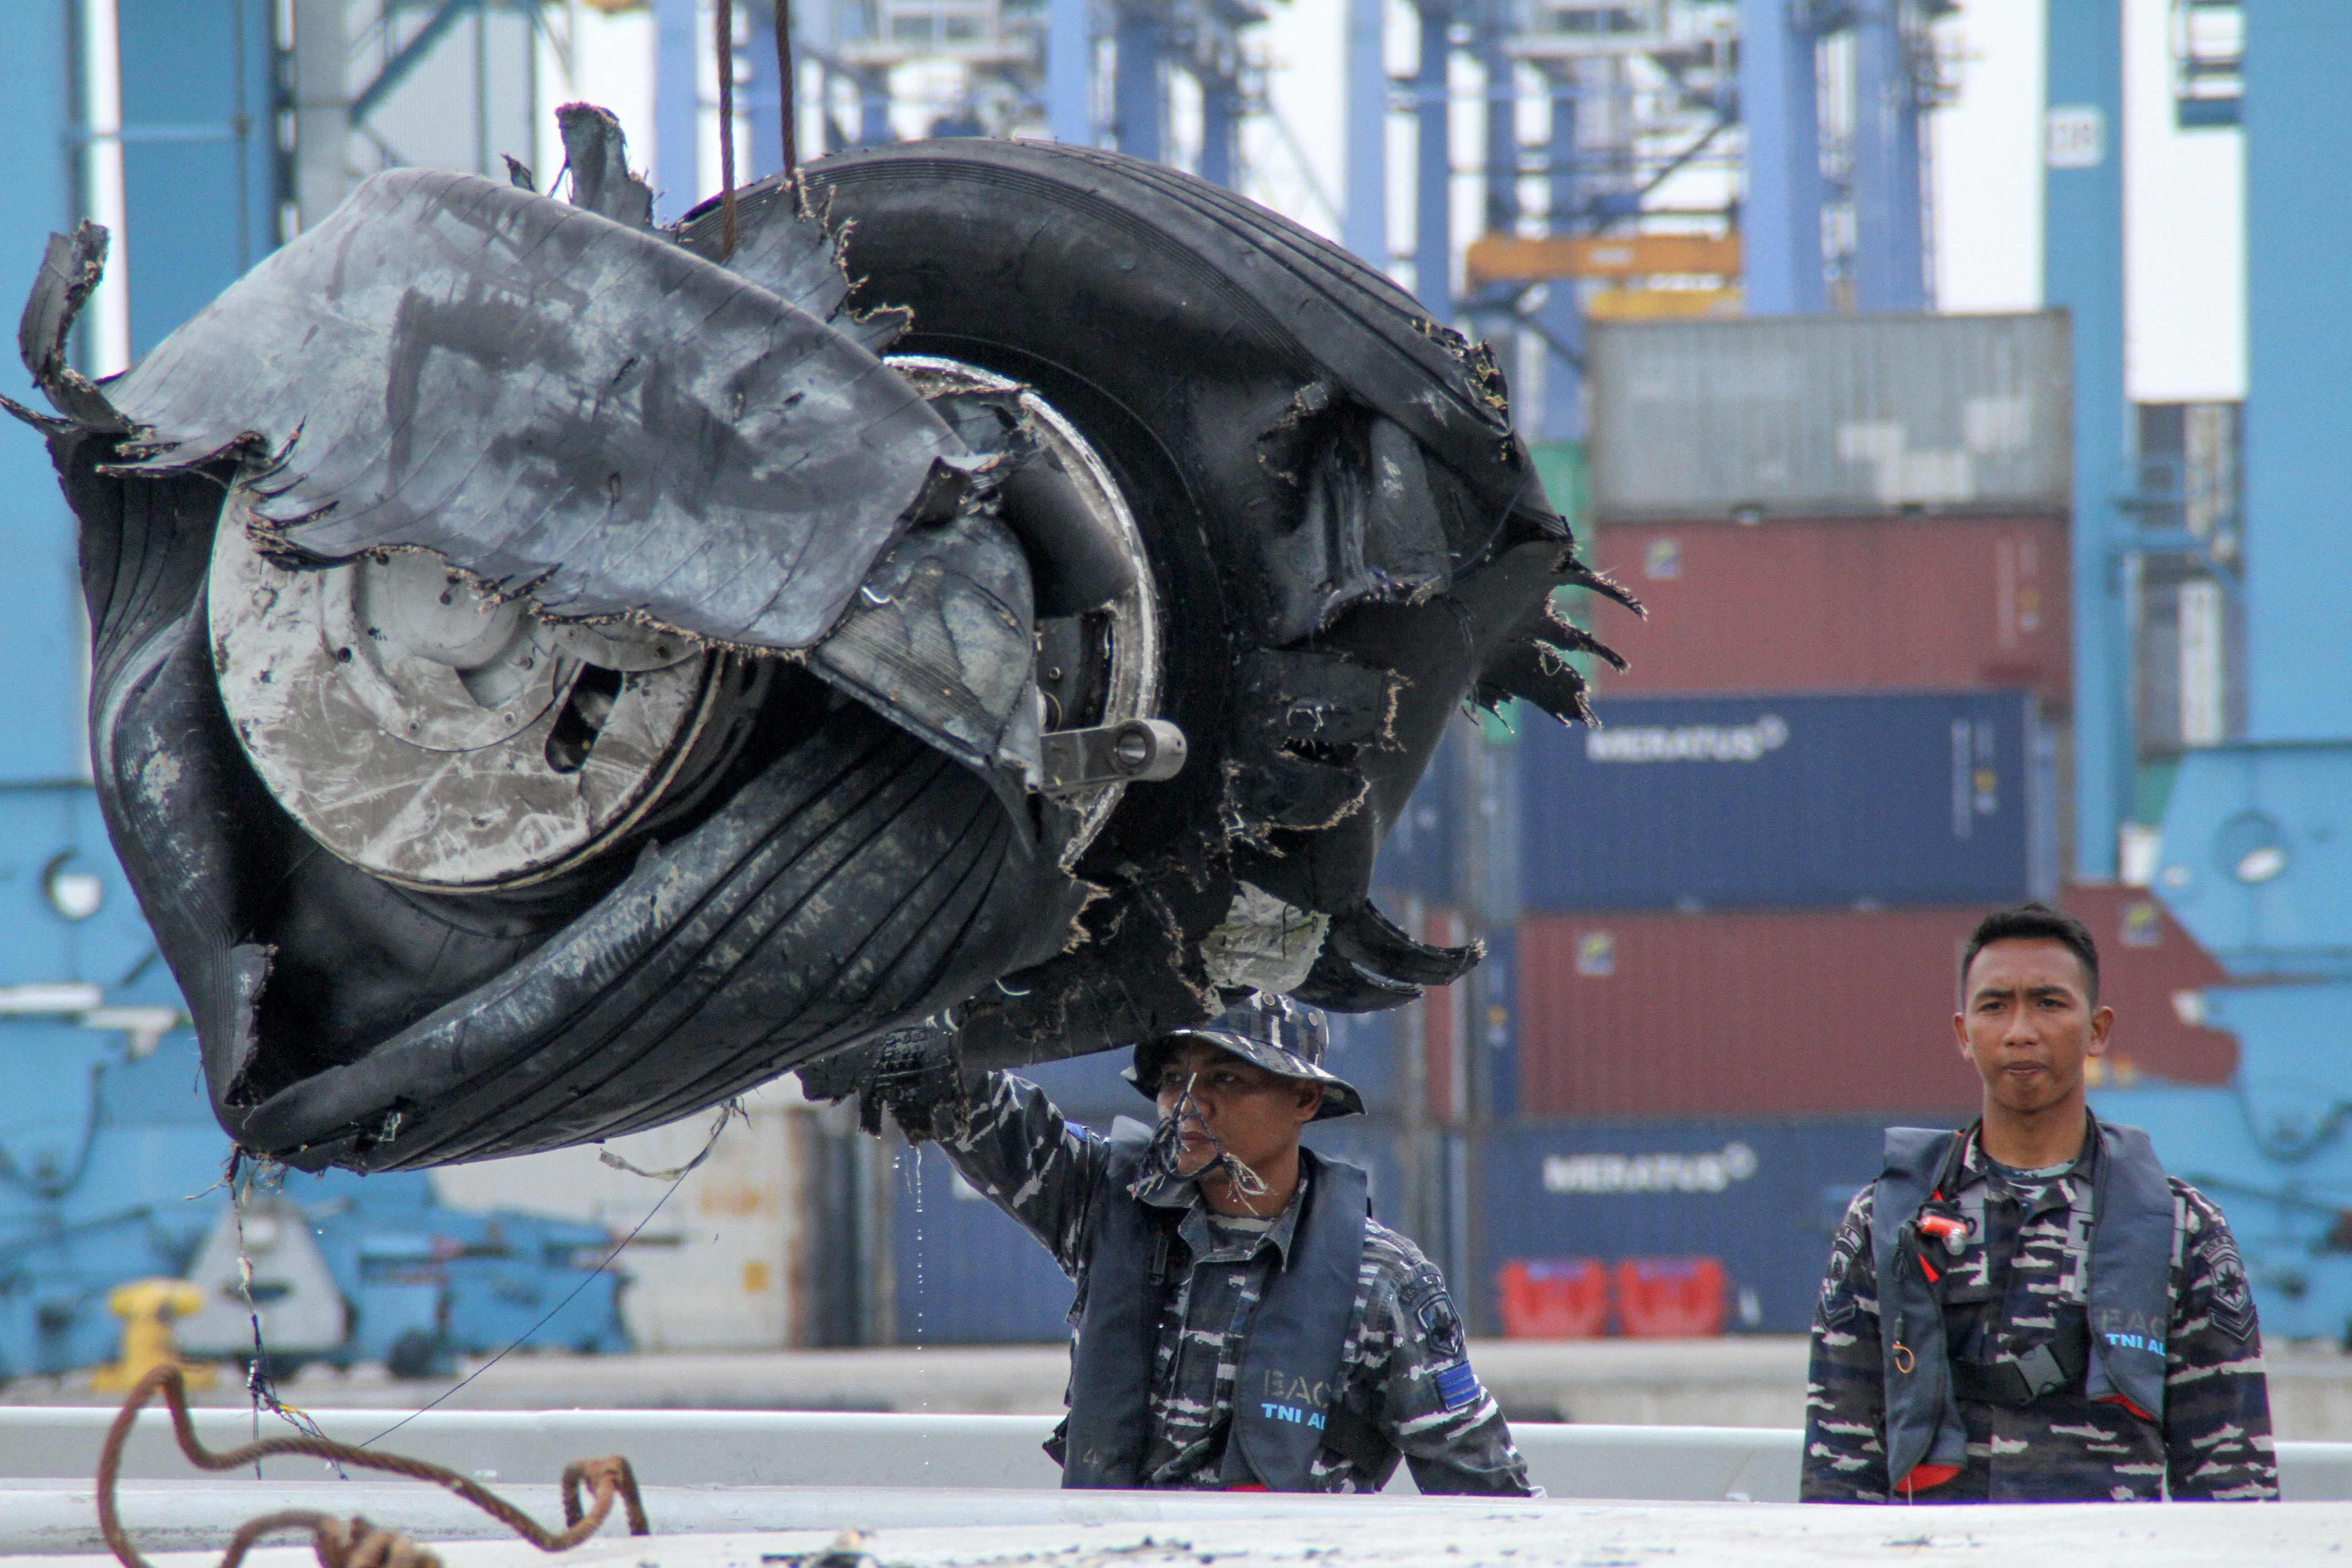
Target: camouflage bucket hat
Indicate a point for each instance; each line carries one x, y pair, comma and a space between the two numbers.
1281, 1036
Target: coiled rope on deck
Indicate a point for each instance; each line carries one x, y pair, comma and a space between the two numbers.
354, 1542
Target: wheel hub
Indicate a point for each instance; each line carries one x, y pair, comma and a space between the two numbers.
438, 738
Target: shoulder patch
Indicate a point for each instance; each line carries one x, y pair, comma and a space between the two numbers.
2233, 1294
1838, 1303
1441, 1325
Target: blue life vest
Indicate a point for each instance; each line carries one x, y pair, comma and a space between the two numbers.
1287, 1390
2130, 1294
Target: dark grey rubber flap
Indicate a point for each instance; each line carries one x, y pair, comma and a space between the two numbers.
555, 402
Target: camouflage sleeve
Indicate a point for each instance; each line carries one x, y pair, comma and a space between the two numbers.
2217, 1403
1008, 1141
1845, 1389
1430, 1405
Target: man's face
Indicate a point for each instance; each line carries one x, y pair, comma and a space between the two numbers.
1254, 1114
2027, 1025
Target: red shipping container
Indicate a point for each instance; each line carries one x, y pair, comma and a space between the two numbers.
1841, 603
1670, 1298
1788, 1012
1438, 1016
1553, 1298
1814, 1012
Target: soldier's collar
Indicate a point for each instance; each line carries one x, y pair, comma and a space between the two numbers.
1975, 1165
1195, 1228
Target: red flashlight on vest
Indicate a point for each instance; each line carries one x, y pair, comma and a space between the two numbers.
1951, 1231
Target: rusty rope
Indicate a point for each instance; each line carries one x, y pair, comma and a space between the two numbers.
354, 1542
725, 24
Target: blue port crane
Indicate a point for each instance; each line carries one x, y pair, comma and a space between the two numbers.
2256, 839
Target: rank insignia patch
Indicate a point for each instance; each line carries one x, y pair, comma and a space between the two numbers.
1457, 1385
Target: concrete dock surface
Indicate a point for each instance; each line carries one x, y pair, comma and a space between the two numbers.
1194, 1532
1736, 1381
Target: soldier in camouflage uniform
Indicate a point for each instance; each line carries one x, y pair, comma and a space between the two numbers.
2046, 1317
1216, 1341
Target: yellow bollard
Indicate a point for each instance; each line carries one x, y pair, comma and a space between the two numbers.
147, 1307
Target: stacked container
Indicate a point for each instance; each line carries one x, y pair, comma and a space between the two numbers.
1837, 744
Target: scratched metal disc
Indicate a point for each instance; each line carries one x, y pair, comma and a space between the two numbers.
433, 737
1101, 668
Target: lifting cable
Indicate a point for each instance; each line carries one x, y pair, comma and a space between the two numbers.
354, 1542
723, 24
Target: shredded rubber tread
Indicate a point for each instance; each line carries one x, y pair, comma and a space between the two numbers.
662, 975
756, 1062
1398, 330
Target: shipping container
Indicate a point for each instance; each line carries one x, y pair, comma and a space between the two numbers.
1366, 1050
1442, 1014
1421, 856
1826, 1012
726, 1262
1830, 415
1760, 1195
1456, 842
1795, 1013
965, 1273
1825, 604
2190, 686
1790, 800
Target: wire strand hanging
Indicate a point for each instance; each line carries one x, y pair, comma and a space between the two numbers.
725, 25
787, 83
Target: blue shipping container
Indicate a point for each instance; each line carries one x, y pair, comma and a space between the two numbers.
1760, 1195
966, 1274
1420, 855
1786, 800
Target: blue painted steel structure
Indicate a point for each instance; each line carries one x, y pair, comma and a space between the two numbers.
678, 109
108, 1153
1560, 318
199, 144
2298, 217
1433, 220
761, 95
2257, 837
1365, 215
1138, 89
1888, 253
1069, 72
1780, 216
2083, 269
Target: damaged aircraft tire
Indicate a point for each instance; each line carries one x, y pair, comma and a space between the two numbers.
336, 769
778, 677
